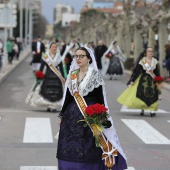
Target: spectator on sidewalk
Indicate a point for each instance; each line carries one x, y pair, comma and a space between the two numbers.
1, 54
9, 47
15, 49
19, 44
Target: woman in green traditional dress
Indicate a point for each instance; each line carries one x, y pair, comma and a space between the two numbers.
142, 92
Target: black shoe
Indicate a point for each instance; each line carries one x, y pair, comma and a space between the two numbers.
53, 110
152, 114
142, 113
48, 110
110, 78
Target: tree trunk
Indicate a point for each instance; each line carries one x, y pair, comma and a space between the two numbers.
138, 43
127, 38
120, 35
162, 36
151, 41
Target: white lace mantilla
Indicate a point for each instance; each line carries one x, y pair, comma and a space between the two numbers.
92, 79
154, 62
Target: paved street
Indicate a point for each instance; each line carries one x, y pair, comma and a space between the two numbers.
27, 133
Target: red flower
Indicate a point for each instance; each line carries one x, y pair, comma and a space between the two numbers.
66, 60
158, 79
95, 109
39, 74
108, 55
36, 52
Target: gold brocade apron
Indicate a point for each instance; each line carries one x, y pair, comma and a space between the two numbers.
109, 151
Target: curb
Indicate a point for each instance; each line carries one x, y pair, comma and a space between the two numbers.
24, 54
165, 85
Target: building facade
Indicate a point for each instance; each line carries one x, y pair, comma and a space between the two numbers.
59, 10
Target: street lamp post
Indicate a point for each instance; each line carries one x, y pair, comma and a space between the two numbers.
29, 23
11, 28
21, 20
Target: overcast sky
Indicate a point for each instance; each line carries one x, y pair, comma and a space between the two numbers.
48, 7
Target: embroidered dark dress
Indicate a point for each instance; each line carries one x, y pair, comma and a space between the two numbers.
76, 143
115, 67
146, 90
51, 88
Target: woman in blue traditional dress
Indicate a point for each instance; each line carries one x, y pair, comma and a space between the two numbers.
76, 143
142, 92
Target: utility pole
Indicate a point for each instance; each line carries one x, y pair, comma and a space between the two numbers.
21, 20
11, 28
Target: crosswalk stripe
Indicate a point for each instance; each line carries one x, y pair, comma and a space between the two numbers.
126, 109
130, 168
37, 130
169, 121
38, 168
50, 168
146, 132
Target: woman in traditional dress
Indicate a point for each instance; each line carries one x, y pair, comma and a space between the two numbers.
76, 143
112, 61
116, 67
50, 91
142, 92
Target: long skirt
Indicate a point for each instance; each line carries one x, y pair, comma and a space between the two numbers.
129, 99
115, 67
76, 144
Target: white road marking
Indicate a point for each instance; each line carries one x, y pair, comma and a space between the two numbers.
15, 111
38, 130
146, 132
168, 121
130, 168
38, 168
126, 109
50, 168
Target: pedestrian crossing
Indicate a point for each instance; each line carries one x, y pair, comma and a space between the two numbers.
38, 130
38, 168
126, 109
146, 132
50, 168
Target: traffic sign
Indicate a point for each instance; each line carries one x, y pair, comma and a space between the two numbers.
7, 18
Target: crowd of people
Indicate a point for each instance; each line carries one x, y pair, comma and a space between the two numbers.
13, 48
70, 77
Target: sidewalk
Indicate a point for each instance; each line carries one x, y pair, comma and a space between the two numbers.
10, 67
165, 85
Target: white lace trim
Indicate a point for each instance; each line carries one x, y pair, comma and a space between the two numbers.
153, 64
93, 79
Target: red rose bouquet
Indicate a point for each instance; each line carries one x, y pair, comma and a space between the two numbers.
158, 80
67, 60
36, 53
39, 77
96, 116
108, 55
